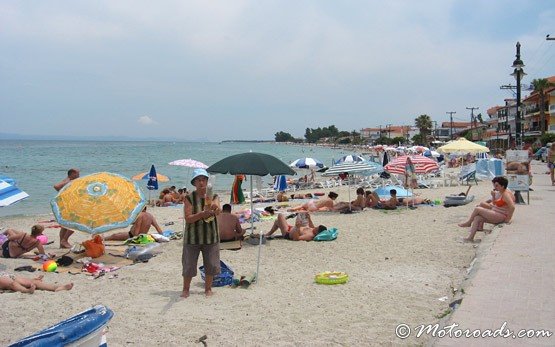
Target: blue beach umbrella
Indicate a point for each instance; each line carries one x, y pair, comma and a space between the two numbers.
281, 183
10, 194
7, 179
383, 192
307, 163
152, 183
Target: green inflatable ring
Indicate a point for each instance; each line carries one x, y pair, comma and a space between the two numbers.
329, 277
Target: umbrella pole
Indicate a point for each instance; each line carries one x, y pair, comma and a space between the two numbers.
349, 190
259, 236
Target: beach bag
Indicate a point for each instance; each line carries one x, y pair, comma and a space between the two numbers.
327, 235
225, 278
94, 248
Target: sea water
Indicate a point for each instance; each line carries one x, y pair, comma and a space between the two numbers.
38, 165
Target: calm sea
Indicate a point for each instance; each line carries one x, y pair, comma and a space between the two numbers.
38, 165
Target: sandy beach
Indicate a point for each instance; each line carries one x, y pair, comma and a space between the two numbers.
400, 264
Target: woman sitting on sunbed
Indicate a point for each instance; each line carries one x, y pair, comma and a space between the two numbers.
325, 204
500, 210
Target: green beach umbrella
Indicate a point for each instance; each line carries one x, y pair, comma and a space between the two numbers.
253, 164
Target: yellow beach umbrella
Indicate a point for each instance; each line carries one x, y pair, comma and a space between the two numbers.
98, 203
145, 176
462, 146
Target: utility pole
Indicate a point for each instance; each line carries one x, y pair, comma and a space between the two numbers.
472, 120
451, 118
389, 130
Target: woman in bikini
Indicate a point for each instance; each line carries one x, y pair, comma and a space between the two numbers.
500, 210
325, 204
19, 243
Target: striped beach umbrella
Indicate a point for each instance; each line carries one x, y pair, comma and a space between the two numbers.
351, 158
10, 194
307, 163
366, 168
421, 164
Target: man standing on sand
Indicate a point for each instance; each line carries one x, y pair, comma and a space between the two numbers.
66, 233
141, 225
229, 225
201, 234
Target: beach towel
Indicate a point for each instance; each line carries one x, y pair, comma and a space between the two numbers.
327, 235
225, 278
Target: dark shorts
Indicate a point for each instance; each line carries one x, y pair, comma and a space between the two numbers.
210, 259
6, 249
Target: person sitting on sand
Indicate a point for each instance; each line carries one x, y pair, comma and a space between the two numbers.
19, 243
356, 205
25, 285
500, 210
325, 204
166, 198
229, 226
372, 199
303, 230
391, 203
141, 225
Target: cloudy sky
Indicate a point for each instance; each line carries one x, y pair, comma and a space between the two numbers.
242, 69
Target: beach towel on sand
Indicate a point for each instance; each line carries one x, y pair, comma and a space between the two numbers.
327, 235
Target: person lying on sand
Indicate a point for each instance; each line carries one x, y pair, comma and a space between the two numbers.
413, 201
303, 230
142, 225
302, 196
19, 243
325, 204
229, 226
25, 285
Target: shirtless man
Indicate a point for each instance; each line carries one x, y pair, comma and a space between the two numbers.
66, 233
325, 204
229, 226
303, 230
141, 225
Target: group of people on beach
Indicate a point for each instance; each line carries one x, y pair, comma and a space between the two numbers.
208, 224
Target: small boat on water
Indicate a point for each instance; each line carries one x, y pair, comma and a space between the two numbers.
85, 329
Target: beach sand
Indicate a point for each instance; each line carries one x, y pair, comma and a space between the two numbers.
400, 263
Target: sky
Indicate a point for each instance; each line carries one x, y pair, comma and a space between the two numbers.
244, 70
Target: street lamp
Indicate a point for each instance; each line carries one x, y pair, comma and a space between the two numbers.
518, 74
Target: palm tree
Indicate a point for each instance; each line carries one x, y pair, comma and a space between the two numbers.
540, 85
424, 125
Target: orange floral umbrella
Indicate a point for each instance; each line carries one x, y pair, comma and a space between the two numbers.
98, 203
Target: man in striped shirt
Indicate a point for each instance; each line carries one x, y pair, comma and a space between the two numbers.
201, 234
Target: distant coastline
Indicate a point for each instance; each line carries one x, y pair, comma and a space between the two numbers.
247, 141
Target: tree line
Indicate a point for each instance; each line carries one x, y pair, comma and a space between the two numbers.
331, 134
